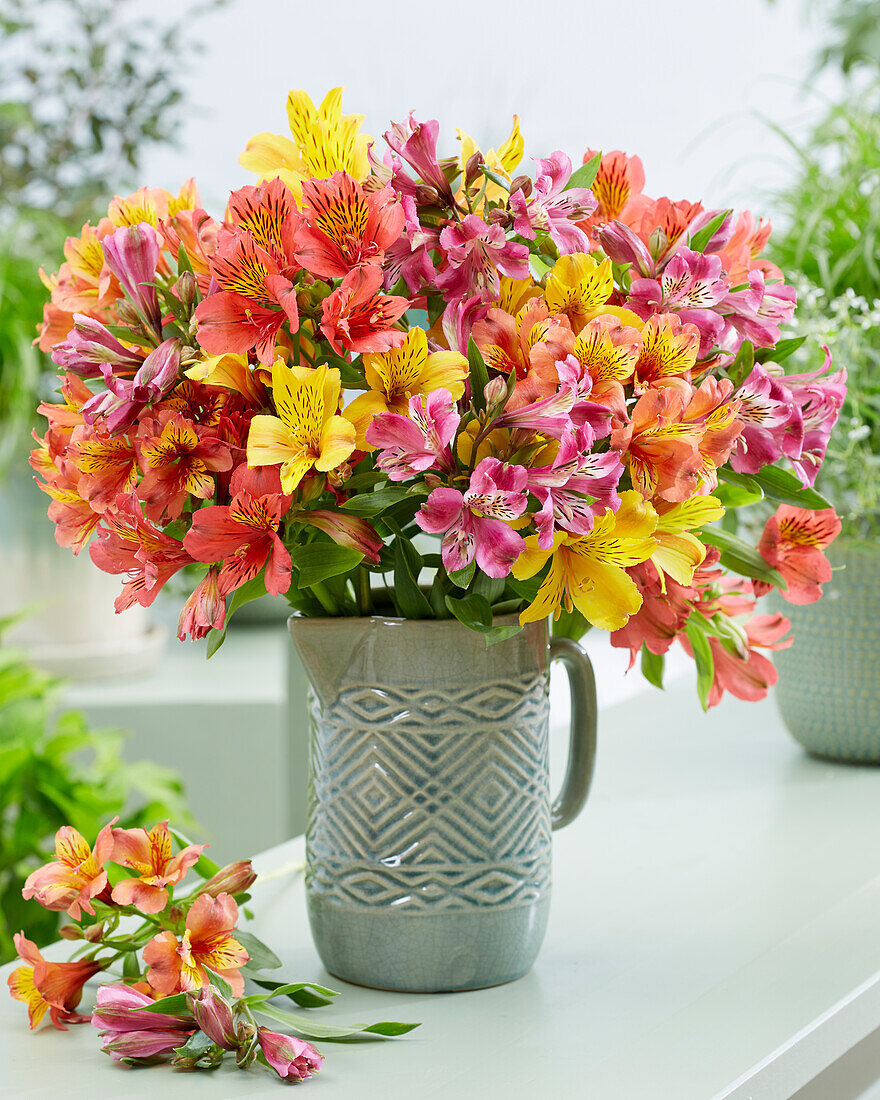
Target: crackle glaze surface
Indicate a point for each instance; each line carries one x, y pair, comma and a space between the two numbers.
428, 838
829, 681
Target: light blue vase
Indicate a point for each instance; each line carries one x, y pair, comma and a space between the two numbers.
429, 819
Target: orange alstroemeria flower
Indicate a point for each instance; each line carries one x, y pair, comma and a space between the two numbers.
150, 855
177, 965
50, 987
76, 876
792, 542
531, 343
661, 447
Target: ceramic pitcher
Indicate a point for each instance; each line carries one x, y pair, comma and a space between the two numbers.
430, 815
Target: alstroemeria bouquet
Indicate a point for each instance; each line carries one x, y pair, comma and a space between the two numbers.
180, 959
563, 380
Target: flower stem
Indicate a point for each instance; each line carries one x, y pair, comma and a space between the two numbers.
362, 590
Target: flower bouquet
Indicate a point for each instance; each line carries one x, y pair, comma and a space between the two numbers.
568, 386
564, 381
179, 959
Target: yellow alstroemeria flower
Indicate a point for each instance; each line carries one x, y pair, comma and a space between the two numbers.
324, 141
577, 285
502, 161
588, 571
308, 432
232, 372
678, 551
514, 294
396, 376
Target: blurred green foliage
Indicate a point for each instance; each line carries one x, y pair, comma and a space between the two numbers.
56, 770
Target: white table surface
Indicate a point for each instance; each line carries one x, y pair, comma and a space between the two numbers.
715, 933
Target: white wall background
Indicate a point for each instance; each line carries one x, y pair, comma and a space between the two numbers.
680, 82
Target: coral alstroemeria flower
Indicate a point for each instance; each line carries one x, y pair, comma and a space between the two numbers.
47, 986
179, 965
662, 617
204, 610
243, 536
792, 542
130, 1031
324, 141
308, 432
679, 553
577, 285
109, 466
531, 343
78, 874
403, 373
269, 216
151, 855
343, 228
473, 523
589, 571
253, 303
662, 449
179, 461
358, 318
617, 188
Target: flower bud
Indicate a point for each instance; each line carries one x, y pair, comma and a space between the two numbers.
521, 183
94, 932
232, 879
499, 216
70, 932
126, 313
186, 287
495, 391
472, 168
213, 1014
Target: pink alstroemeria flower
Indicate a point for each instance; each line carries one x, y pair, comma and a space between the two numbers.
89, 345
758, 311
125, 399
292, 1059
819, 397
151, 856
459, 318
416, 143
475, 253
76, 876
409, 445
132, 255
574, 488
568, 408
409, 257
692, 285
129, 1032
554, 207
472, 523
772, 424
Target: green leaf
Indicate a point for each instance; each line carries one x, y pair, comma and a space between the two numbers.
310, 1029
479, 375
741, 367
585, 175
220, 983
702, 656
175, 1005
750, 492
305, 994
195, 1045
501, 632
782, 485
261, 957
782, 351
318, 561
740, 556
373, 504
570, 624
462, 578
410, 599
472, 610
490, 587
702, 237
652, 666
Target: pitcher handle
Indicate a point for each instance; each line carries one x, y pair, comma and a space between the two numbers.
582, 743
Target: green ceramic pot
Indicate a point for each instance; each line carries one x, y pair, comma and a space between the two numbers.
829, 681
429, 817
